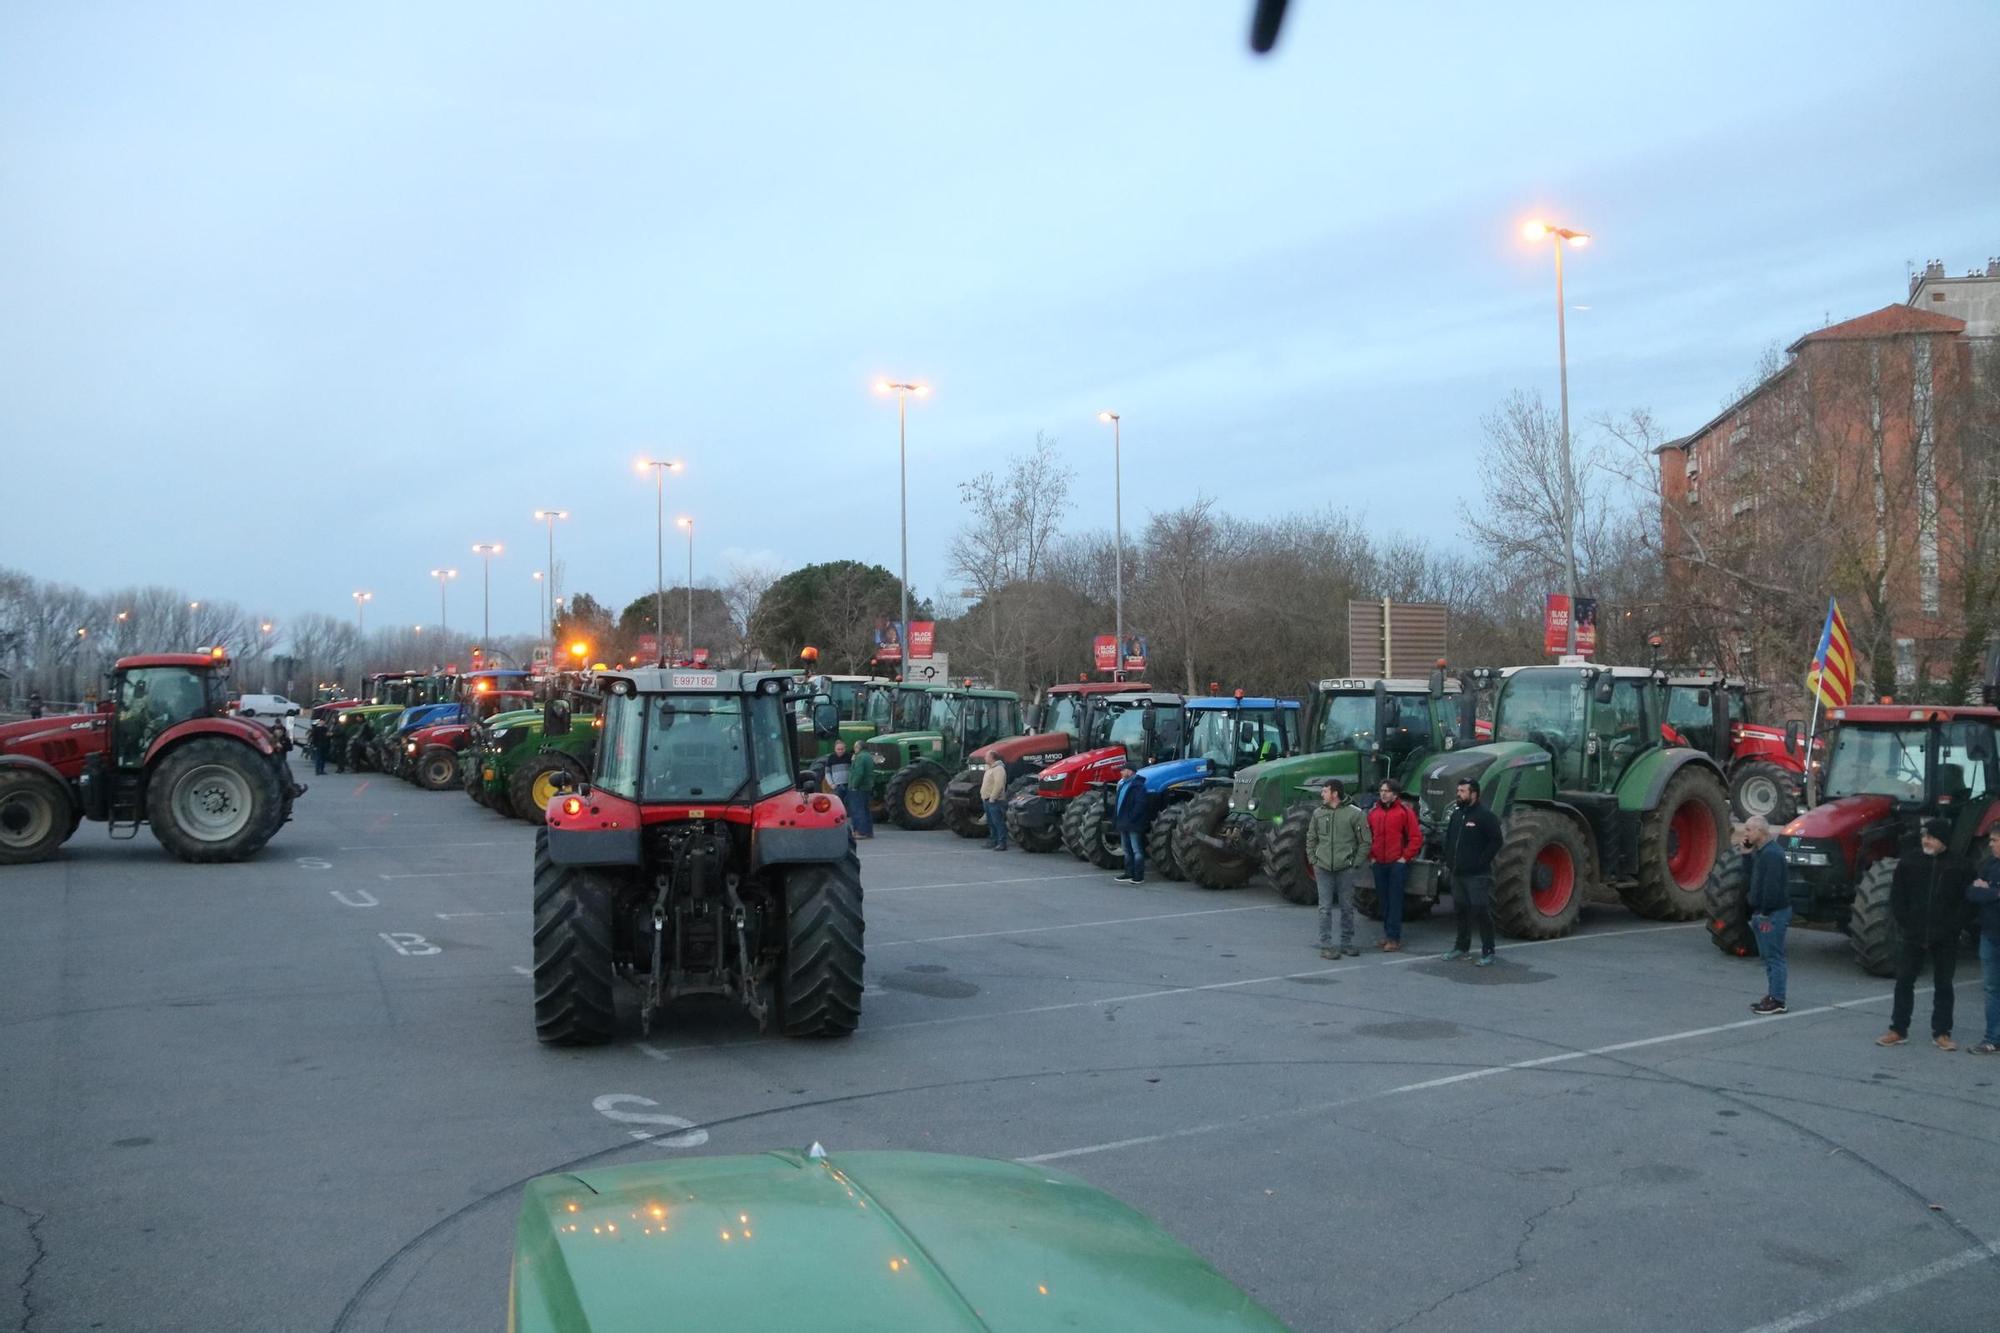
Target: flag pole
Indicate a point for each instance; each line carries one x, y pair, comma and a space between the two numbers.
1812, 731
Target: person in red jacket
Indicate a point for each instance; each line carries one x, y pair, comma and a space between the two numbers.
1394, 837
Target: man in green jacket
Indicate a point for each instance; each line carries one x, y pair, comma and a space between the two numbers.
1337, 847
860, 787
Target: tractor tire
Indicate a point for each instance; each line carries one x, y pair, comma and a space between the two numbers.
1041, 839
820, 984
437, 768
1767, 789
1728, 902
966, 822
914, 797
574, 1003
1160, 858
530, 790
1541, 875
468, 777
36, 816
1205, 864
1090, 833
500, 803
213, 800
1681, 841
1872, 931
1285, 863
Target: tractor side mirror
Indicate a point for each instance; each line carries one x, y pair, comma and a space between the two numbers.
562, 780
555, 717
1795, 737
1701, 699
1602, 690
825, 719
806, 780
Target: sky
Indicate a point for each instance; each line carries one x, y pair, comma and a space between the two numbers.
300, 300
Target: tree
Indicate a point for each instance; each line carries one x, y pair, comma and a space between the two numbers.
1001, 551
714, 627
742, 592
832, 607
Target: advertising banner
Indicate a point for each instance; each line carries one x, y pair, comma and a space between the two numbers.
923, 633
1555, 624
648, 648
888, 646
1135, 652
1110, 655
1104, 649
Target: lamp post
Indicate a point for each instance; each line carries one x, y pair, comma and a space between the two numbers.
1536, 231
542, 601
661, 467
1118, 539
486, 551
444, 578
549, 516
361, 600
903, 392
688, 646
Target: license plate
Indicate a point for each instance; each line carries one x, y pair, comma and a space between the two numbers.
693, 680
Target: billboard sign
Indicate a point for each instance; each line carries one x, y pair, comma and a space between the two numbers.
888, 644
934, 670
1555, 624
923, 633
1110, 655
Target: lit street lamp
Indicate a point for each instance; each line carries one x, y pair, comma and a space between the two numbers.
444, 578
903, 392
1118, 541
361, 600
688, 647
550, 516
660, 470
1536, 231
486, 551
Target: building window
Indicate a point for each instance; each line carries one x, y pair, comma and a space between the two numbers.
1925, 451
1906, 663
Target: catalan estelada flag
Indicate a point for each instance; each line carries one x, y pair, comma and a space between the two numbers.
1831, 679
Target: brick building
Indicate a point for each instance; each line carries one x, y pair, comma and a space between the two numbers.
1862, 466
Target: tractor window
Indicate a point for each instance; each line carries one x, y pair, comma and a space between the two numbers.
152, 699
618, 746
1166, 735
1540, 703
1065, 713
1877, 761
910, 710
1347, 722
945, 711
878, 708
1128, 728
1622, 726
767, 743
696, 748
1408, 723
849, 697
1965, 762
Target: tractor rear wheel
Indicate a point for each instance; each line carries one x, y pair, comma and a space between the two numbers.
820, 988
437, 768
533, 785
1728, 902
1285, 863
1767, 789
1680, 841
1090, 833
915, 796
1871, 928
212, 799
36, 816
967, 821
1160, 857
1041, 837
1540, 876
1204, 862
574, 1004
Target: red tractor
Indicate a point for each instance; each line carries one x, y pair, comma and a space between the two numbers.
162, 752
1764, 764
1135, 729
1064, 713
430, 754
694, 862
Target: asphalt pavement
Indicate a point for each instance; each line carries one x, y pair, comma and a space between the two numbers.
304, 1092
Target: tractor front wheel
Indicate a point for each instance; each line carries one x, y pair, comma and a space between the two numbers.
213, 800
574, 1004
914, 797
1680, 841
820, 988
1160, 858
533, 785
1035, 838
1198, 847
1285, 863
1767, 789
36, 816
437, 768
1540, 876
1090, 832
1728, 902
967, 820
1871, 928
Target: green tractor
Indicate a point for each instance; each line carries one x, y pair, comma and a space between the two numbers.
933, 728
861, 701
1591, 797
1357, 729
520, 770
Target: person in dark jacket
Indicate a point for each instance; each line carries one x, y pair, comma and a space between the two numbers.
1927, 899
1128, 816
1394, 838
1984, 895
1471, 841
1770, 909
316, 745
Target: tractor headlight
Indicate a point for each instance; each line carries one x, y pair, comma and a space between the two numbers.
410, 748
500, 735
1808, 859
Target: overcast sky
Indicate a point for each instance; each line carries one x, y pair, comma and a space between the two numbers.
296, 300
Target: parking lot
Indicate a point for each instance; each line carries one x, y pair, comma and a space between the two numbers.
304, 1093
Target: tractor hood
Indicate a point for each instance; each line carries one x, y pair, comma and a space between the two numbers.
1842, 818
1172, 773
896, 744
1437, 784
1017, 749
1264, 790
861, 1241
1109, 757
37, 733
439, 733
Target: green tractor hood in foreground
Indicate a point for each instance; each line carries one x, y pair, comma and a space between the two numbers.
863, 1241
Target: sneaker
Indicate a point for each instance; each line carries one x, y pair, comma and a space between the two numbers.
1944, 1042
1392, 946
1759, 1003
1768, 1006
1457, 955
1487, 960
1984, 1048
1328, 951
1122, 879
1350, 951
1891, 1038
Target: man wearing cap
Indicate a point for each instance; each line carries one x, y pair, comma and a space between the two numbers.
1770, 909
1927, 900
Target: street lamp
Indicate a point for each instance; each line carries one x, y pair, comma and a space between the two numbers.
1118, 540
661, 468
1536, 231
903, 392
688, 647
486, 551
444, 578
550, 516
361, 600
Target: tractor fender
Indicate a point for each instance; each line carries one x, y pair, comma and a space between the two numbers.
1563, 808
247, 732
1643, 783
34, 765
1174, 773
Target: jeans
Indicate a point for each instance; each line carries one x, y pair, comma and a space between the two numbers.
1390, 879
1989, 975
1335, 886
996, 824
1769, 931
319, 763
858, 816
1135, 856
1944, 962
1472, 901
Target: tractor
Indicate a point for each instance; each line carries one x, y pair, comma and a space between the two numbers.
1590, 796
854, 701
1135, 729
914, 764
520, 767
1063, 714
1764, 764
1889, 767
452, 699
1222, 734
431, 752
161, 752
1359, 729
690, 862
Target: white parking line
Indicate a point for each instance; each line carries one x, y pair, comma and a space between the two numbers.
1876, 1291
453, 916
1075, 925
445, 874
425, 846
982, 883
524, 971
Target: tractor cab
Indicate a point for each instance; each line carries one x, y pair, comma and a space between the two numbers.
1148, 727
153, 695
1187, 798
1592, 721
1764, 763
1064, 715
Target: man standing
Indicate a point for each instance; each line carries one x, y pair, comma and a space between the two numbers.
1128, 816
1471, 841
860, 790
993, 795
316, 745
1337, 848
34, 703
1984, 895
1927, 899
1394, 837
1770, 909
